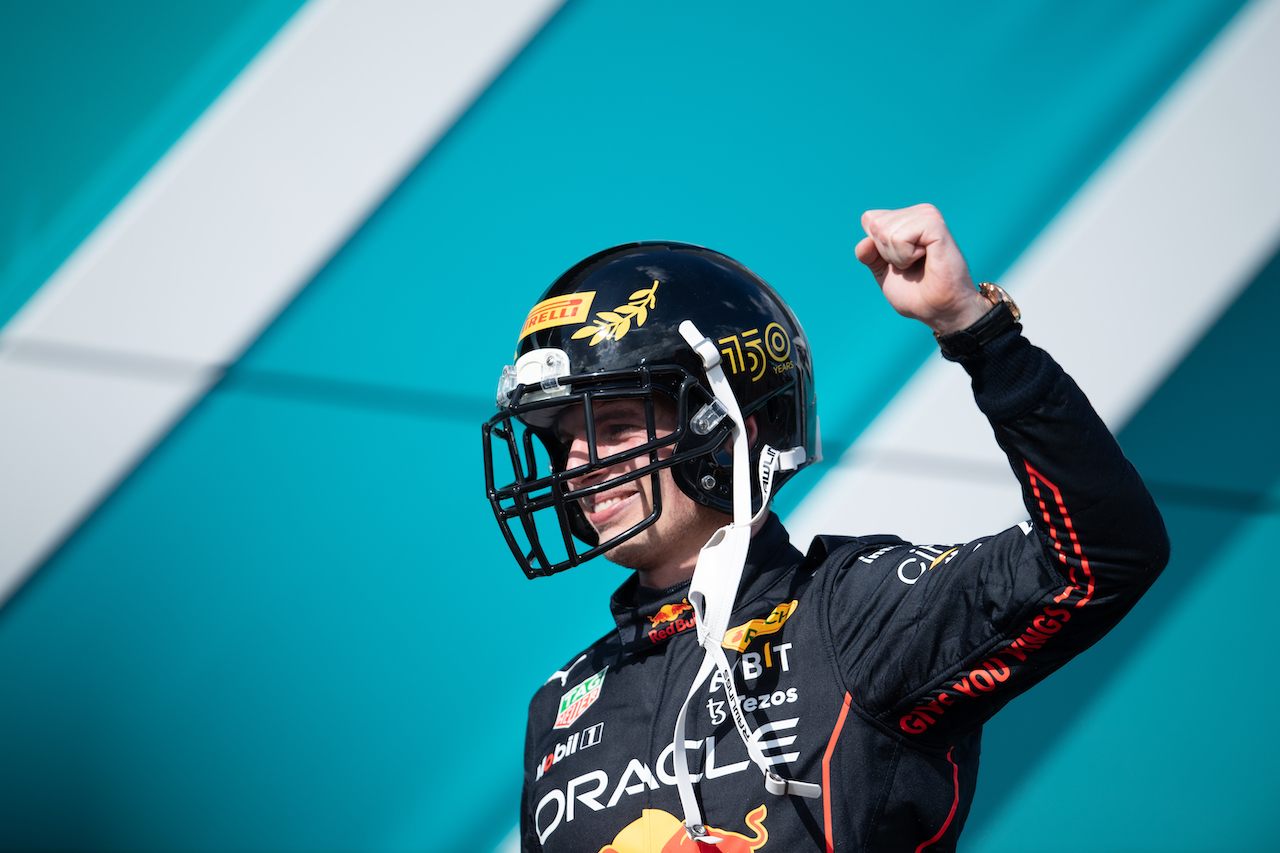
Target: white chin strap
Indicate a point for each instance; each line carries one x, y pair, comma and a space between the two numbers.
715, 588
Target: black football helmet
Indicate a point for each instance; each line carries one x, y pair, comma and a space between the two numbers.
610, 328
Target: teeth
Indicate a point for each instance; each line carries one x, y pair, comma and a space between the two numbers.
606, 503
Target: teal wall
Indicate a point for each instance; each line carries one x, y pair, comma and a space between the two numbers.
91, 94
294, 627
1162, 706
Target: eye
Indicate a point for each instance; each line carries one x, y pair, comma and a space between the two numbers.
613, 432
618, 432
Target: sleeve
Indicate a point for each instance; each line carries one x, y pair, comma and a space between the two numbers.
938, 648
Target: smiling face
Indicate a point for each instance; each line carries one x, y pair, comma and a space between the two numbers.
666, 552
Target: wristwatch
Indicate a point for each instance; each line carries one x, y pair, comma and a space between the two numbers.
1003, 314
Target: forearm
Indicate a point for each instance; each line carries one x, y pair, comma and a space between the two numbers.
1088, 503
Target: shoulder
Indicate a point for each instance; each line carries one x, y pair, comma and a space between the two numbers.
579, 667
825, 548
885, 572
835, 555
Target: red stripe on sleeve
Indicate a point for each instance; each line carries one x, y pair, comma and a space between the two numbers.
955, 804
826, 773
1036, 479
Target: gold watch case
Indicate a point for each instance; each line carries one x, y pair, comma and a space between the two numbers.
996, 294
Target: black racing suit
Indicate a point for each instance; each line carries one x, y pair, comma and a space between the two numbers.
868, 665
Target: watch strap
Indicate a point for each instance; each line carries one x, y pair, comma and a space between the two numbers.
987, 328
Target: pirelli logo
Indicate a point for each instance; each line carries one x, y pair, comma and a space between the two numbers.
558, 311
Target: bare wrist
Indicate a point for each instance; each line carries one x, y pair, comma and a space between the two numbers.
971, 312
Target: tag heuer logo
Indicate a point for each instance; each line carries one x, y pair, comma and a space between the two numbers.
579, 699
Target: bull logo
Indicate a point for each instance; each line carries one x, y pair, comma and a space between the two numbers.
656, 831
670, 613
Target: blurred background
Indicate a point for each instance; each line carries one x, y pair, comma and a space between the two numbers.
261, 262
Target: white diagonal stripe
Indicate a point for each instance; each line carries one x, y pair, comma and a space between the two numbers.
219, 237
1120, 286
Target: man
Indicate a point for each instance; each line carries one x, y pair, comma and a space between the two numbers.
661, 393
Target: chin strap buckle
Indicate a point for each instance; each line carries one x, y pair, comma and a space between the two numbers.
700, 343
776, 785
698, 832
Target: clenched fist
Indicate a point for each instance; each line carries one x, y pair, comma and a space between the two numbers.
919, 267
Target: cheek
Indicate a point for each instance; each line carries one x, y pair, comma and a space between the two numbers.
668, 483
674, 502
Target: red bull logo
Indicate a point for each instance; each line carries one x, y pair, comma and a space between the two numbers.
656, 831
671, 612
674, 618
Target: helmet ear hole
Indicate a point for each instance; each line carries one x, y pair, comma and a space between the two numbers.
774, 410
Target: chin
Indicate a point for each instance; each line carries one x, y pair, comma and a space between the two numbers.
629, 556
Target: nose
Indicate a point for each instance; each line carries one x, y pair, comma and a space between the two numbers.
580, 454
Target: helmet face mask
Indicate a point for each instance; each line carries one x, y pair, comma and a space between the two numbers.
522, 442
607, 330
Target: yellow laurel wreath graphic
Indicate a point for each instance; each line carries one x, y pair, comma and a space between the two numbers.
611, 325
